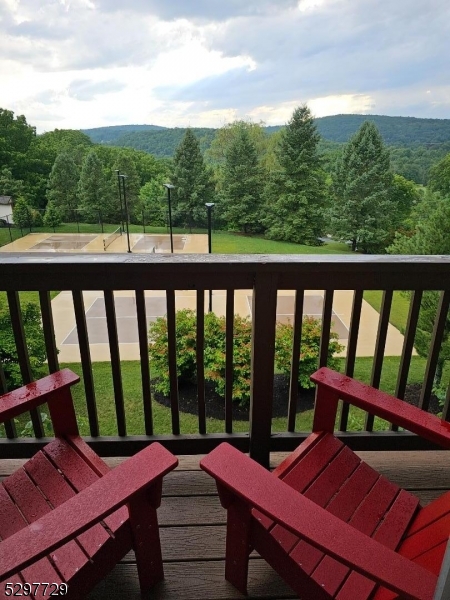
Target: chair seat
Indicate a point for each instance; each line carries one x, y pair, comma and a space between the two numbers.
334, 477
50, 478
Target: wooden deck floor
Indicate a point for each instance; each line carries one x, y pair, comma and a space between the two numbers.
193, 529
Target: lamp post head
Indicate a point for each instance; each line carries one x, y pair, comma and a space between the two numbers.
123, 176
169, 186
209, 205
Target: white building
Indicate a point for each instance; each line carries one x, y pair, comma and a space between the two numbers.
6, 208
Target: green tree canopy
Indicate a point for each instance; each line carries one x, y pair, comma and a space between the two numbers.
432, 236
93, 194
8, 185
191, 180
153, 202
296, 193
242, 185
362, 207
440, 177
63, 184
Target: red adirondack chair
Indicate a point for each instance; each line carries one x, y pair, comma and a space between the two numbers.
65, 517
329, 524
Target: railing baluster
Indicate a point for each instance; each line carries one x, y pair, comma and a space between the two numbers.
10, 426
435, 346
49, 331
86, 364
264, 307
296, 345
326, 327
408, 346
141, 312
22, 353
200, 347
113, 338
353, 333
229, 339
377, 366
173, 377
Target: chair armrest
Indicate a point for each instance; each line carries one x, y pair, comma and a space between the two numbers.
85, 509
252, 483
383, 405
34, 394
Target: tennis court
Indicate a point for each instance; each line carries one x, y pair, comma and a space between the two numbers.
116, 242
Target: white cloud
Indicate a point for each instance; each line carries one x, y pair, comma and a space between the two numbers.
86, 63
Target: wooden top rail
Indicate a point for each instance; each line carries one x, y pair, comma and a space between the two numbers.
41, 271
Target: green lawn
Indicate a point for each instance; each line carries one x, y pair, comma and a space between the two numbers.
399, 309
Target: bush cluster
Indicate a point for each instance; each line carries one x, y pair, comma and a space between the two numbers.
215, 357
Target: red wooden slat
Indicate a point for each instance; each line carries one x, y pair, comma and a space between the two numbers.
320, 492
426, 538
57, 491
333, 477
375, 504
353, 492
389, 533
432, 559
430, 513
287, 464
12, 521
306, 470
69, 558
79, 474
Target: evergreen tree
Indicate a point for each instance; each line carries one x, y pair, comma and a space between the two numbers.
94, 201
22, 214
191, 180
52, 216
296, 192
241, 195
63, 184
362, 183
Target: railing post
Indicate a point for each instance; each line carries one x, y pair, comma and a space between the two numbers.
264, 305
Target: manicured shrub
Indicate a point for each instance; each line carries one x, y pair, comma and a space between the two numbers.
214, 352
309, 349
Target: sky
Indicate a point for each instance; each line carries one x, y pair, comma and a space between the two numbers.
204, 63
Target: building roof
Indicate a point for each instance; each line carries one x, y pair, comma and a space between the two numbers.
5, 200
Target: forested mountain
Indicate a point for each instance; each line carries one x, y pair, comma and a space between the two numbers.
395, 131
163, 142
109, 135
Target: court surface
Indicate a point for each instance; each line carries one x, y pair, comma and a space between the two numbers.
107, 242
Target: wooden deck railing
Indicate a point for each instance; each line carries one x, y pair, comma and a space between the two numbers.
265, 275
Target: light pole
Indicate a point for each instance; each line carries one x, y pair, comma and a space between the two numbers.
209, 207
123, 177
120, 197
169, 187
